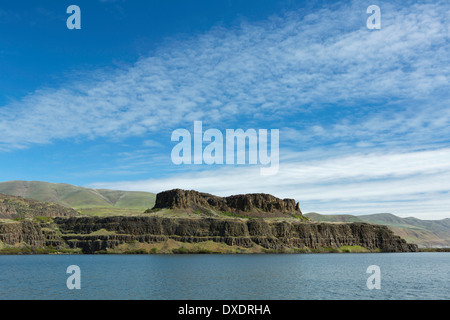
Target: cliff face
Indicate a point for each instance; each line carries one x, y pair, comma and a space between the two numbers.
61, 229
94, 234
29, 233
253, 205
12, 207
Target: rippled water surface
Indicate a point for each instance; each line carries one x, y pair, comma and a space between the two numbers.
210, 277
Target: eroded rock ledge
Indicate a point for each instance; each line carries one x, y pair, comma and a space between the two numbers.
253, 205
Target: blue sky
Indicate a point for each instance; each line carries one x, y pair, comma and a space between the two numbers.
363, 114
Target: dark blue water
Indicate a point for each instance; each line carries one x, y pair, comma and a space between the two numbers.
209, 277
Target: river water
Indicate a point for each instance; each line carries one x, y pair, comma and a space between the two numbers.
337, 276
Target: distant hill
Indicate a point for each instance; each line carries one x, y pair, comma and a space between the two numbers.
424, 233
86, 200
332, 218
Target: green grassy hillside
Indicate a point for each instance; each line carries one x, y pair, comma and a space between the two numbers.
86, 200
332, 218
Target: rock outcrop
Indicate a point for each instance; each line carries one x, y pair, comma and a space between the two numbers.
101, 234
45, 225
252, 205
12, 207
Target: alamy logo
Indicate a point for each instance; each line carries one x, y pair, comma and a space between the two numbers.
374, 281
74, 20
374, 21
73, 281
236, 140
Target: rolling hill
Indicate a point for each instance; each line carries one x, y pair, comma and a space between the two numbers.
424, 233
85, 200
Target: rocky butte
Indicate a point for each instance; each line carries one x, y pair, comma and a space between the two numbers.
187, 221
251, 205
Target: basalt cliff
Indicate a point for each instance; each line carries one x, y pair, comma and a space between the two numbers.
192, 222
251, 205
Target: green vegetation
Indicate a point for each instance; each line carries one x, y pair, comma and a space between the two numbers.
80, 198
30, 250
301, 217
43, 219
353, 249
110, 211
332, 218
102, 232
235, 215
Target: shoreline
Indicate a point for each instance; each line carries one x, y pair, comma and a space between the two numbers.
27, 252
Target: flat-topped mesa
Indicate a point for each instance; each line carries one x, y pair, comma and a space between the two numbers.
254, 204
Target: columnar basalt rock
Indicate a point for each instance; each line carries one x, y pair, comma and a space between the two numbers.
247, 233
79, 232
255, 204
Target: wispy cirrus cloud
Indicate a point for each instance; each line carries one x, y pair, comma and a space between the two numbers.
407, 128
296, 64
